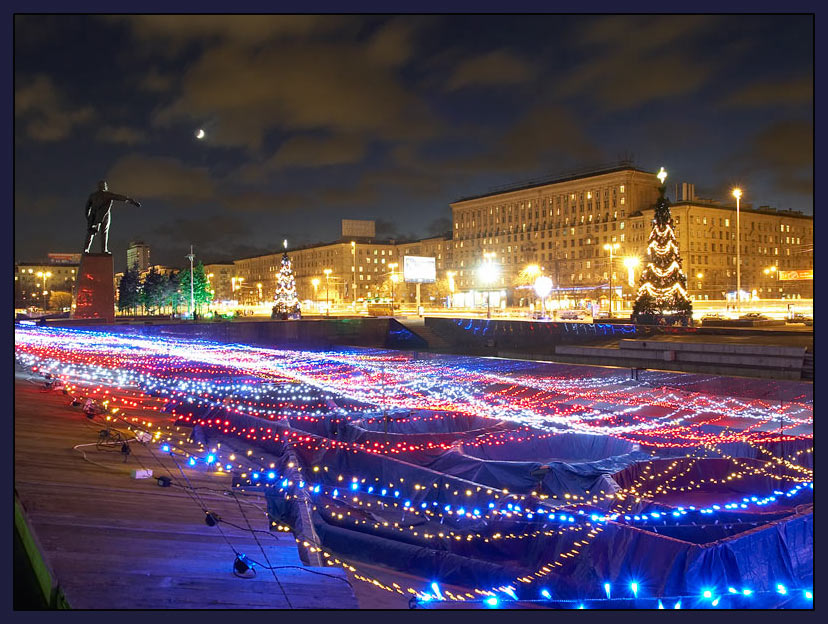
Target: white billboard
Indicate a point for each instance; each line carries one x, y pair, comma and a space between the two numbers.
358, 228
419, 269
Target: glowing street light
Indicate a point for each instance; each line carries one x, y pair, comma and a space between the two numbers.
327, 273
394, 279
737, 193
353, 271
488, 272
612, 247
631, 262
45, 275
773, 270
543, 286
315, 283
259, 286
450, 276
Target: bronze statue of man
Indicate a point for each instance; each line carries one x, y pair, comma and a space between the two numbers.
98, 208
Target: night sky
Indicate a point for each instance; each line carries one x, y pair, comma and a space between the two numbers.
311, 119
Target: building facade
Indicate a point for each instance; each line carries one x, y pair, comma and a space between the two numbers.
773, 243
138, 255
220, 276
35, 282
560, 225
563, 228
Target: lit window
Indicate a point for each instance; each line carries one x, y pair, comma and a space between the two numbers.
622, 201
622, 190
727, 222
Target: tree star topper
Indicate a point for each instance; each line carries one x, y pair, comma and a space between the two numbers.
662, 175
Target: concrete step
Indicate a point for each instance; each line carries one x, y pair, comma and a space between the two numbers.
713, 347
434, 340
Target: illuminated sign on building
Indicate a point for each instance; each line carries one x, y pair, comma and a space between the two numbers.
800, 274
419, 269
64, 258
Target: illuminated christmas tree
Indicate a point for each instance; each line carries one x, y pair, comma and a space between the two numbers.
663, 287
287, 304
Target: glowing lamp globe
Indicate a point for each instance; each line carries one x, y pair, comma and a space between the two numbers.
543, 286
487, 273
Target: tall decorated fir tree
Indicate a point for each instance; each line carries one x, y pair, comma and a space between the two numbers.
287, 303
662, 290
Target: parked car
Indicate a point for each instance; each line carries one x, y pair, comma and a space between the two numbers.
801, 318
571, 315
713, 317
753, 316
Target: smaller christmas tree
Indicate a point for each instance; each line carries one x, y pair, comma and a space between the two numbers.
663, 287
287, 304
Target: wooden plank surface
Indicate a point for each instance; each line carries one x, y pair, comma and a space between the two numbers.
115, 542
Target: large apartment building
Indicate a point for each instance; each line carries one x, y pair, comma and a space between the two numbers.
355, 267
563, 225
34, 282
774, 243
559, 224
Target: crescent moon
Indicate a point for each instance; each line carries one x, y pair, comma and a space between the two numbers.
200, 133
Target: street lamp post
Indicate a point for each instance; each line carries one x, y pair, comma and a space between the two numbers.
631, 262
191, 257
771, 270
315, 282
353, 270
392, 266
488, 274
737, 193
450, 276
543, 286
611, 247
327, 273
532, 272
45, 275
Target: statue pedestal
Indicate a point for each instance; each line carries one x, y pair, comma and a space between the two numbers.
95, 298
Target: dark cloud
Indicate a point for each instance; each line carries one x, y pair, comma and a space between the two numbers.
209, 234
262, 202
499, 67
393, 43
545, 135
783, 152
360, 196
163, 178
389, 230
156, 82
789, 92
341, 88
48, 117
121, 134
308, 151
37, 205
439, 226
634, 60
176, 31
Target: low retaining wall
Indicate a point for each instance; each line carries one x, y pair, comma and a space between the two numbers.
771, 361
317, 333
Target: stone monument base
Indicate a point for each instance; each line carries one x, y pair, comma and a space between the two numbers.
95, 290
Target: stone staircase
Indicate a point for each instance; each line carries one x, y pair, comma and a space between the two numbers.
808, 366
434, 340
776, 362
